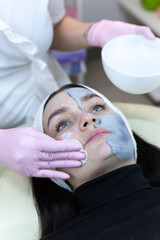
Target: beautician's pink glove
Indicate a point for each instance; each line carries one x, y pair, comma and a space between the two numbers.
32, 153
102, 32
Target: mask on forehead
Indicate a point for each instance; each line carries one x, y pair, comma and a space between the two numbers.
121, 140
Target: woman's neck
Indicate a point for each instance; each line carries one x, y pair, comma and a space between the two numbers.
112, 164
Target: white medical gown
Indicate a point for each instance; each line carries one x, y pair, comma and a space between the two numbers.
28, 72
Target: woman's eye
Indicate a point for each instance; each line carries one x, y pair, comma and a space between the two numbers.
97, 108
62, 125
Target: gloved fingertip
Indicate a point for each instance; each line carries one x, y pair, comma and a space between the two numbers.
75, 164
150, 35
61, 175
65, 176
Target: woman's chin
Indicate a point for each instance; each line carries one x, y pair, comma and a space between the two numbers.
98, 151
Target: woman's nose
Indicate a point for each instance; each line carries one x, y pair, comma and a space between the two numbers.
87, 119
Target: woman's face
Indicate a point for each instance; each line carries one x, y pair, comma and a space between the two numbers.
78, 113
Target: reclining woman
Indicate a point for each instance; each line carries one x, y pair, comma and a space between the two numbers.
108, 197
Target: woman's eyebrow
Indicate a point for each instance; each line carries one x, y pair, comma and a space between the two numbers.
58, 111
89, 96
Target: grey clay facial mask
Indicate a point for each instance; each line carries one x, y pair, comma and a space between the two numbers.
77, 94
120, 140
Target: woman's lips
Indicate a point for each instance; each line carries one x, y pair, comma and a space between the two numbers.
96, 134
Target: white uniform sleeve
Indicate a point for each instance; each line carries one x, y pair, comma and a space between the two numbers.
56, 10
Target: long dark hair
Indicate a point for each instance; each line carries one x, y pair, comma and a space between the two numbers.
56, 206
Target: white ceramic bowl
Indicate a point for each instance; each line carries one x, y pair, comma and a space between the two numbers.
132, 63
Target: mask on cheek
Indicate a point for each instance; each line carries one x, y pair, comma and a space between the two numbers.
121, 140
